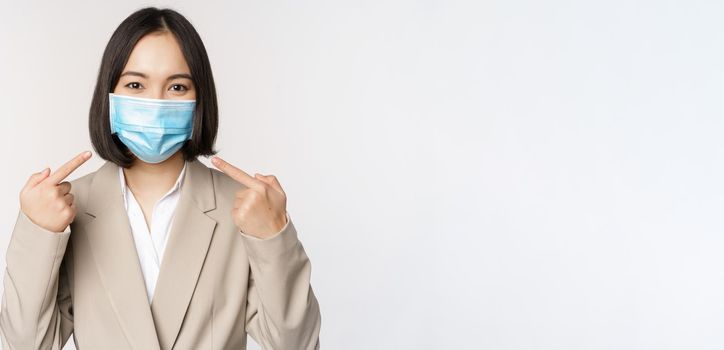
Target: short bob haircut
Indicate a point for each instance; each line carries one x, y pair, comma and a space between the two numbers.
115, 57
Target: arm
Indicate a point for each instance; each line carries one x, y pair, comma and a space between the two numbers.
36, 311
282, 311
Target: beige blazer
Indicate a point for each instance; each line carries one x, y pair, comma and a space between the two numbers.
215, 283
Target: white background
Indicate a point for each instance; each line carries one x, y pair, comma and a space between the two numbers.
463, 175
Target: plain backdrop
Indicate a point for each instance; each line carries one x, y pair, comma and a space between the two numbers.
511, 174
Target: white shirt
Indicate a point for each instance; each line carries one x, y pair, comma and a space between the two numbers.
151, 245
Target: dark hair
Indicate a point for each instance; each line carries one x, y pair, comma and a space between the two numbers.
115, 57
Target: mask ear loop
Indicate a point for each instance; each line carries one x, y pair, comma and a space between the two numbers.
111, 107
193, 118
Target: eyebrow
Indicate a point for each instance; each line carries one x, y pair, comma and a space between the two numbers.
170, 77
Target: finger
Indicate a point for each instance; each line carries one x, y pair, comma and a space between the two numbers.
64, 187
69, 167
71, 213
264, 179
37, 178
242, 195
235, 173
270, 180
69, 199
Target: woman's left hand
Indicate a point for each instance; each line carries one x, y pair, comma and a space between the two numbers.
260, 209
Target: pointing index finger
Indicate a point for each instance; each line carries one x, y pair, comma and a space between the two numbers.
68, 168
235, 173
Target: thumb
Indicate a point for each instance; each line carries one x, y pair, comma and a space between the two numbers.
263, 178
270, 180
38, 177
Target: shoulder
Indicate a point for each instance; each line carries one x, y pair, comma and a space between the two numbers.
224, 182
225, 187
83, 181
81, 185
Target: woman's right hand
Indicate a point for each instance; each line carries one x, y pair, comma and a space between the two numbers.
46, 199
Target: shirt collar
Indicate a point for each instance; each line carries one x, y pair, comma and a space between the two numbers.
176, 186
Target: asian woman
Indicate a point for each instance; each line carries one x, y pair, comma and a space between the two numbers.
154, 250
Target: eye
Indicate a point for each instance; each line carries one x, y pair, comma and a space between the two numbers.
179, 87
133, 85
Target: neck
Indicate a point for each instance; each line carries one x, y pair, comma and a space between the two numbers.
154, 179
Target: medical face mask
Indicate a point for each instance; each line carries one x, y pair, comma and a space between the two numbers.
152, 129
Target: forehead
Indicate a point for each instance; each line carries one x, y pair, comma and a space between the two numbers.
157, 55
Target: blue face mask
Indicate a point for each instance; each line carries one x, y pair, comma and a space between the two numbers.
152, 129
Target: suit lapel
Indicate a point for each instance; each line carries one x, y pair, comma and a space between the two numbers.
112, 246
188, 243
154, 326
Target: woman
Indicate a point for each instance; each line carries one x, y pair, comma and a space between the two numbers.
154, 250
